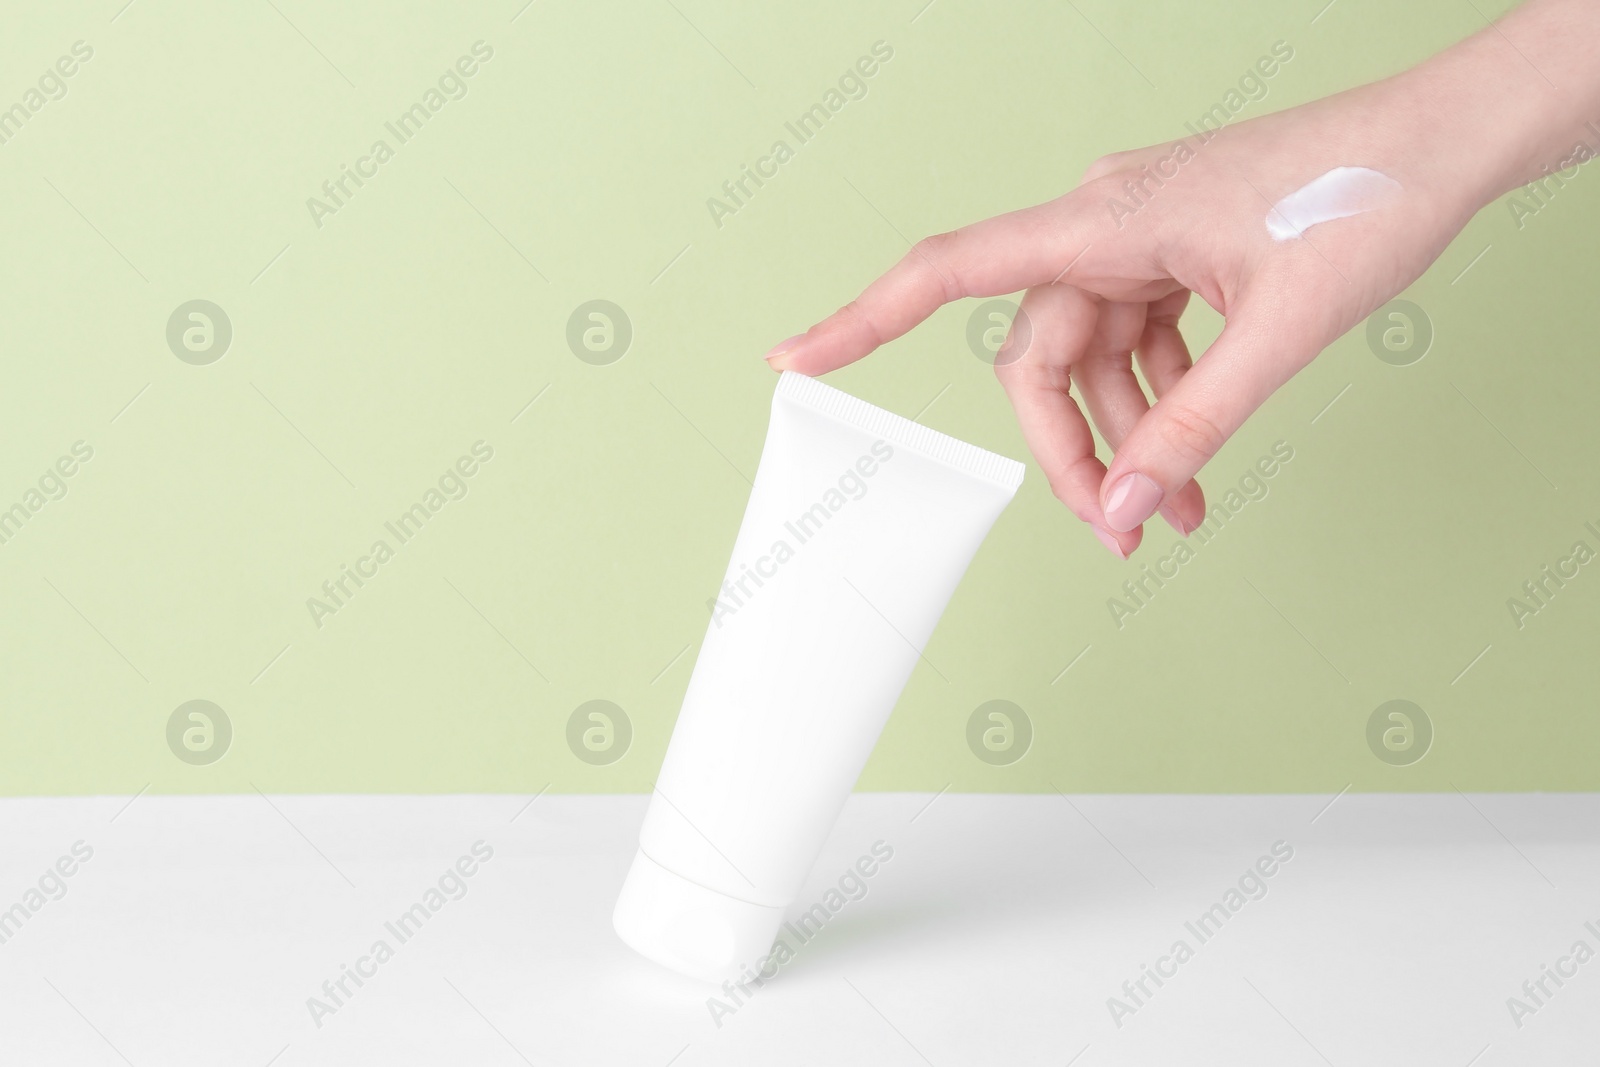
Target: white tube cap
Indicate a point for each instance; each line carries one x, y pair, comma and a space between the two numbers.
691, 929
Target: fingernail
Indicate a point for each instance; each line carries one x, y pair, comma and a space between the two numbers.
1174, 521
1110, 541
780, 349
1132, 500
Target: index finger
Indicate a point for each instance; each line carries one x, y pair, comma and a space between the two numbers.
1008, 253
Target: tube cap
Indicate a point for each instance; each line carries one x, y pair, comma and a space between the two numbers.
693, 930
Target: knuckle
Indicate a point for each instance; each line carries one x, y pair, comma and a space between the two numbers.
1072, 486
1102, 166
935, 245
1190, 434
854, 313
936, 252
1017, 345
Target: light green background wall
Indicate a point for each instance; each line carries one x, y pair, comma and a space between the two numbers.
426, 314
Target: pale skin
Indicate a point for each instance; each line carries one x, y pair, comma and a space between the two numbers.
1106, 289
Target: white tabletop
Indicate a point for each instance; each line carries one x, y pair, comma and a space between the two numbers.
997, 933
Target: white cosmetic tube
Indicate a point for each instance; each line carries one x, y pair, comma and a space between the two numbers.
859, 526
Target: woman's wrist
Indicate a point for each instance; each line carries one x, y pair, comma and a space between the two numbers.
1517, 101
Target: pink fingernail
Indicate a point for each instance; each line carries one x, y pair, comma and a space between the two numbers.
781, 348
1107, 539
1174, 521
1132, 500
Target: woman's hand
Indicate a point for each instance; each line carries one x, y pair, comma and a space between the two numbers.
1110, 266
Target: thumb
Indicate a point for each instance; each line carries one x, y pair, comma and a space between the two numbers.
1257, 351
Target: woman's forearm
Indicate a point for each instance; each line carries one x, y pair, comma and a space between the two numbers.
1518, 100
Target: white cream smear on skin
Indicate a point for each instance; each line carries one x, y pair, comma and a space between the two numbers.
1338, 194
